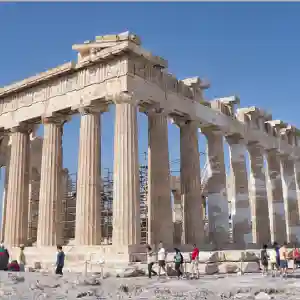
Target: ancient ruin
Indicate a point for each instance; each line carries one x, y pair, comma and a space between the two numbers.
116, 70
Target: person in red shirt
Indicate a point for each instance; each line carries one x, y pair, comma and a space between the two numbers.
194, 262
296, 257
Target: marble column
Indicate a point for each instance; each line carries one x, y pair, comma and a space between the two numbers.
177, 218
193, 225
297, 180
160, 225
88, 212
4, 196
290, 199
240, 204
217, 202
258, 196
126, 190
17, 190
50, 207
275, 197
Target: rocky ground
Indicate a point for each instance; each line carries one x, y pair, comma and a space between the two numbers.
75, 286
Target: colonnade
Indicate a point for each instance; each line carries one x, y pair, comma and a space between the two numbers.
263, 210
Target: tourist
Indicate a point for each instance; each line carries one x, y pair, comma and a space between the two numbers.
264, 259
276, 247
22, 258
60, 261
283, 253
273, 257
195, 261
178, 260
296, 258
13, 266
161, 256
150, 260
4, 257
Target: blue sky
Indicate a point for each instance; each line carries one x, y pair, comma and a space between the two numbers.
248, 49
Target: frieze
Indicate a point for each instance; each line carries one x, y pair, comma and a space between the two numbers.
63, 85
146, 70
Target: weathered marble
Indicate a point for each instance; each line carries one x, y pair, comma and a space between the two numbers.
290, 199
217, 202
88, 210
258, 196
275, 198
16, 220
126, 204
160, 224
193, 226
240, 203
50, 203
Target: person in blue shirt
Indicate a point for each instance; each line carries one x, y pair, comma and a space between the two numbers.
60, 261
276, 247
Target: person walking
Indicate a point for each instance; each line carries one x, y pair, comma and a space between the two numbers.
60, 260
161, 256
195, 262
264, 260
178, 259
273, 261
151, 261
296, 257
283, 254
22, 259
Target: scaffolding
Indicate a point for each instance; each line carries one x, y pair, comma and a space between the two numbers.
107, 207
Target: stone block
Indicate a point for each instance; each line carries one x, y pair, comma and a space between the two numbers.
250, 267
228, 267
208, 257
237, 255
37, 265
208, 269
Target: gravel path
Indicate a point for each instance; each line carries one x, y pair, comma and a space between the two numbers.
75, 286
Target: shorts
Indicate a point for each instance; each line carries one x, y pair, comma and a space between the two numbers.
283, 264
265, 263
274, 266
162, 263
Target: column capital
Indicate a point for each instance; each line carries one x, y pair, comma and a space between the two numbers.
123, 97
58, 120
212, 129
85, 110
182, 121
23, 128
235, 139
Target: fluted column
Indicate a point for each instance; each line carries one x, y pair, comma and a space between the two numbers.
217, 202
4, 196
297, 179
290, 199
275, 197
17, 190
258, 195
160, 225
50, 207
88, 213
177, 218
193, 225
126, 191
240, 204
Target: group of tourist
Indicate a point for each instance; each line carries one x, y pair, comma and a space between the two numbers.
161, 257
277, 259
13, 265
19, 265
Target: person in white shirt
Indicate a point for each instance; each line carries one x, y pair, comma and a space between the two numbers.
151, 261
161, 255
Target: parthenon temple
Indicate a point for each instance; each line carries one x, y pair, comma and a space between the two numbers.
43, 207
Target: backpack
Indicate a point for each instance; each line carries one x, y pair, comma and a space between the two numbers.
178, 258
